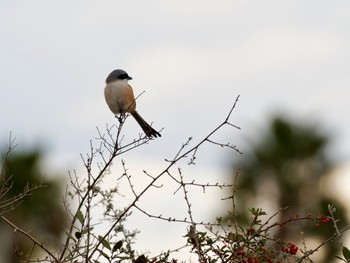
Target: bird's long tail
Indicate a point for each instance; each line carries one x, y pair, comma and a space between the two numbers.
149, 131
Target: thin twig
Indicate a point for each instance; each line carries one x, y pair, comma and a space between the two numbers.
172, 162
330, 239
41, 245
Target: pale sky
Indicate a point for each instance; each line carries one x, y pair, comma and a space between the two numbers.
191, 57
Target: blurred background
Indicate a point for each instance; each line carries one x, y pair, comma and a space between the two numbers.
288, 61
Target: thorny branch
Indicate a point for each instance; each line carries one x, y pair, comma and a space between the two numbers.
30, 237
115, 149
112, 145
180, 155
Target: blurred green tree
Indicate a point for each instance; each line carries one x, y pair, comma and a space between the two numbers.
41, 213
284, 169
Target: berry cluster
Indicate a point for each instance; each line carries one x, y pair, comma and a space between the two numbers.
291, 249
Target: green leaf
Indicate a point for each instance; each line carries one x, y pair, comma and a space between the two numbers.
346, 253
77, 234
118, 245
104, 242
86, 230
262, 213
103, 253
331, 208
80, 217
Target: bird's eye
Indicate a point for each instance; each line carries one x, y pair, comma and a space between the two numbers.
123, 76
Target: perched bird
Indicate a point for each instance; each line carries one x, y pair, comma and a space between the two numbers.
120, 99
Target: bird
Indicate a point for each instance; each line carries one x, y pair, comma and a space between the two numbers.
120, 99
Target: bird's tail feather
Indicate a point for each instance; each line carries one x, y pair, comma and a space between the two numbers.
149, 131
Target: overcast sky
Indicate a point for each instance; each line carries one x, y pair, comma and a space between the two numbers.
192, 58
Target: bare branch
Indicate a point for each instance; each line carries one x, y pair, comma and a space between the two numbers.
172, 162
36, 242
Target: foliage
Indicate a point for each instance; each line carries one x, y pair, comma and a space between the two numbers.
29, 199
219, 241
284, 169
